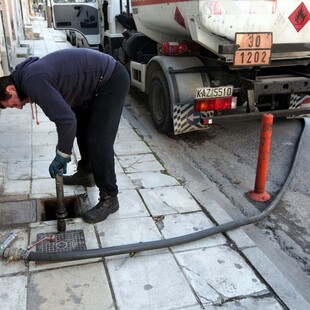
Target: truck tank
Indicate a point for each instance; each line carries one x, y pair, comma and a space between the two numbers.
214, 24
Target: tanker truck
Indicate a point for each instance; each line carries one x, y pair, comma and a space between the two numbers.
203, 62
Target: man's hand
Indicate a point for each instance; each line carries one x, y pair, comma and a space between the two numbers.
59, 162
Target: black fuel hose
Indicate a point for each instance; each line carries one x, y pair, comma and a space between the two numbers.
158, 244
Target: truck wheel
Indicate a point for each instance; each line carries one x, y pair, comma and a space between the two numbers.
159, 102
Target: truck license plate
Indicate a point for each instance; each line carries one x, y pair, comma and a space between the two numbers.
252, 49
214, 92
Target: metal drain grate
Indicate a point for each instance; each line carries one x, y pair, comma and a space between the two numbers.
71, 240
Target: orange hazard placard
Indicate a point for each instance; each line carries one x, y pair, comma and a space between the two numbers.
252, 49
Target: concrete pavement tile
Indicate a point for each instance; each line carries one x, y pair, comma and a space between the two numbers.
223, 271
3, 169
79, 288
44, 138
13, 139
51, 227
48, 152
40, 169
20, 242
15, 122
131, 147
140, 163
118, 167
124, 182
19, 171
44, 126
124, 124
15, 154
169, 200
16, 188
131, 205
267, 303
126, 134
152, 179
18, 212
150, 282
46, 188
13, 292
129, 230
127, 142
183, 224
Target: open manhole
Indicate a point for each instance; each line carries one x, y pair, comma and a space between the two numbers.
73, 204
70, 240
29, 211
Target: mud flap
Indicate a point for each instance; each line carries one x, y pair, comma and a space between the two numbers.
186, 119
298, 101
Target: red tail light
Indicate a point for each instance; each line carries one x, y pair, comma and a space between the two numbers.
174, 48
215, 104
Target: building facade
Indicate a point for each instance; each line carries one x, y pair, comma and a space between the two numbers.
15, 17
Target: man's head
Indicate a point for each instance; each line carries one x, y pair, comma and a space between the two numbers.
8, 94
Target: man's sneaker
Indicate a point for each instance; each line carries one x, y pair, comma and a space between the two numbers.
106, 206
80, 178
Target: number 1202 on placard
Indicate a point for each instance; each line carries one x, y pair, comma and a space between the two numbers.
252, 49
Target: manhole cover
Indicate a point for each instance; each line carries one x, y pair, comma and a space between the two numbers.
71, 240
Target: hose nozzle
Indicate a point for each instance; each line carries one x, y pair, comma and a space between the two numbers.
13, 254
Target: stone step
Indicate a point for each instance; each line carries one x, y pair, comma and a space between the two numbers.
22, 51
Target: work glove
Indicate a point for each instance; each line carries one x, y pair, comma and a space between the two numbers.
59, 164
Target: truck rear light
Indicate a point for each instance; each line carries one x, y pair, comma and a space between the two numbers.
215, 104
174, 48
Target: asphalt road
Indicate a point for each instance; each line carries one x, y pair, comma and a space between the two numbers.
225, 158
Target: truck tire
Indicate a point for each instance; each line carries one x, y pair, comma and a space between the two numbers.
159, 102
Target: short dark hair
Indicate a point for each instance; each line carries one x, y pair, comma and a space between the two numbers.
5, 81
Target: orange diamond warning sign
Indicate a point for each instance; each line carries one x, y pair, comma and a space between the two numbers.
300, 17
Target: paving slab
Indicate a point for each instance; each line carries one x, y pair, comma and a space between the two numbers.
150, 282
46, 188
16, 188
184, 224
78, 287
219, 273
19, 171
152, 179
12, 139
18, 212
140, 163
168, 200
13, 293
13, 155
132, 230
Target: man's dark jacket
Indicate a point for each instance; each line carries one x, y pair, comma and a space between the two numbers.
62, 80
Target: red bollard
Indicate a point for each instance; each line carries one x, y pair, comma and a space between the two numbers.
259, 193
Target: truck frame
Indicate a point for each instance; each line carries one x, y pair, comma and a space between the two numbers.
194, 72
